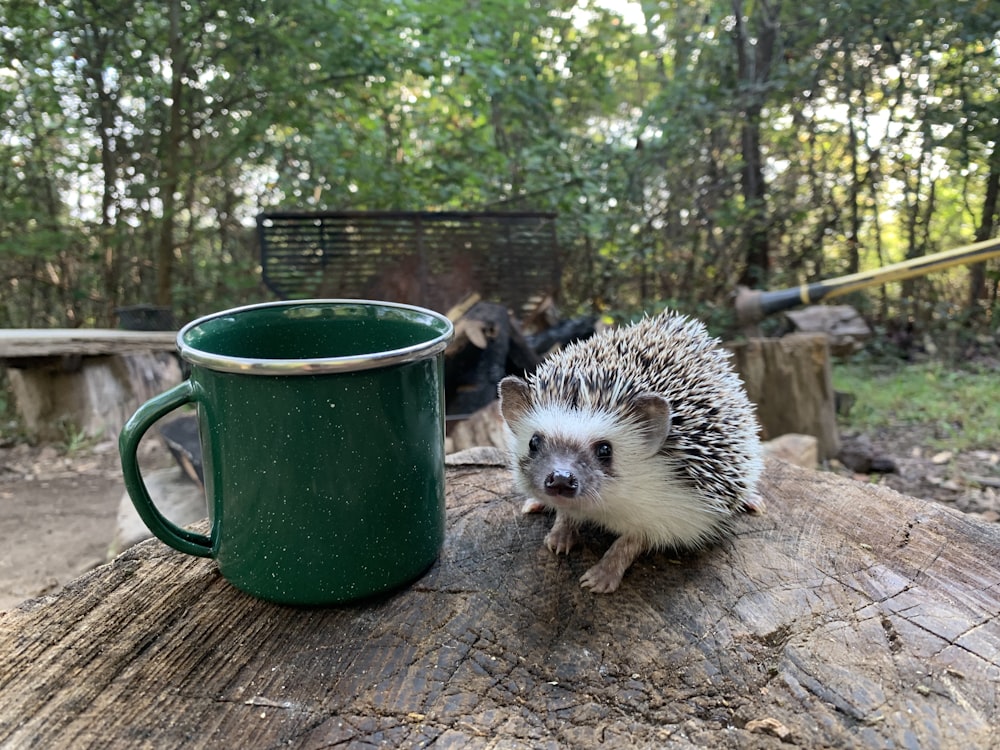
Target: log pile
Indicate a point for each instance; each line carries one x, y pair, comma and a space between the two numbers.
487, 346
842, 325
490, 344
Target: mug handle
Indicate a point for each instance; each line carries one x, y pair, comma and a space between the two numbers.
128, 443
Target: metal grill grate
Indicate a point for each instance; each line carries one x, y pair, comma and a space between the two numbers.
428, 259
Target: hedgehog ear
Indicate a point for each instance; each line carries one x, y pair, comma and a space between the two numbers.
515, 399
654, 419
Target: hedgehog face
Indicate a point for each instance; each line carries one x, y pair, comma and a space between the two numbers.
563, 471
568, 457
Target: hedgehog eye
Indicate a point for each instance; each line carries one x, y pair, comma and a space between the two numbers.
603, 452
534, 444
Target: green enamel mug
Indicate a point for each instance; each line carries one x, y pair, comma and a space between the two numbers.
322, 433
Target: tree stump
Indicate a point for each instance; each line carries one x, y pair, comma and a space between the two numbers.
790, 382
89, 396
847, 616
84, 382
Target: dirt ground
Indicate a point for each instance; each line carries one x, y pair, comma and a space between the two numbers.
57, 513
58, 509
968, 481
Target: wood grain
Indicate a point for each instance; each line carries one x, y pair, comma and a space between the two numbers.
847, 616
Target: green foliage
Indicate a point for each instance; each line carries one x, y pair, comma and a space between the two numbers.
74, 440
960, 402
713, 143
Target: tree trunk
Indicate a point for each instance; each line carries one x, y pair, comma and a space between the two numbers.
754, 57
107, 112
987, 221
853, 232
789, 382
758, 252
169, 164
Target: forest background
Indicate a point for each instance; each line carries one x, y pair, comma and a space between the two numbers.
686, 146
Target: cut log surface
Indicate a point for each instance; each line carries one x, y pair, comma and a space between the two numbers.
56, 342
847, 616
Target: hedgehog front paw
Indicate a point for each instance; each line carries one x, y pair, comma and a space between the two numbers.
606, 576
754, 504
562, 537
532, 506
601, 579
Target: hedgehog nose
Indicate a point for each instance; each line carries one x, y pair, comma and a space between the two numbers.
561, 482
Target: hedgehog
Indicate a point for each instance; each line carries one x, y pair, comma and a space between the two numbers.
645, 431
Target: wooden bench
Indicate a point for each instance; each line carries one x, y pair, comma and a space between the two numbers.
75, 382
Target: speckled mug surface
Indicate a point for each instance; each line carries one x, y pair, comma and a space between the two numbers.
322, 433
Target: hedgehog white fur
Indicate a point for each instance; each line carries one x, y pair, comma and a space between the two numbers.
644, 430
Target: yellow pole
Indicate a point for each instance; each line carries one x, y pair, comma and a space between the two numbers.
753, 305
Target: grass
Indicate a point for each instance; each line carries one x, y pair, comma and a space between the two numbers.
960, 405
